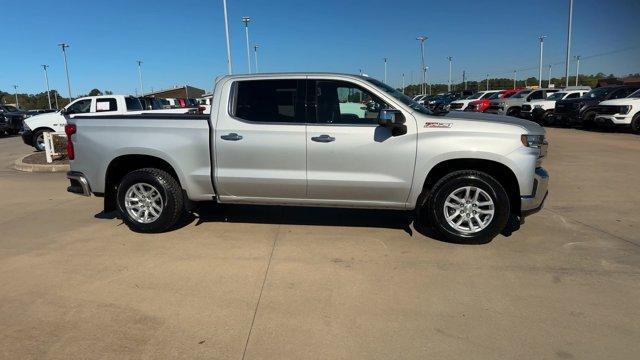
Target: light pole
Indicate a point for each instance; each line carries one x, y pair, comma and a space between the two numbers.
487, 82
226, 33
426, 80
422, 38
515, 76
403, 83
140, 76
245, 20
549, 82
566, 64
64, 46
15, 92
385, 70
255, 55
46, 81
577, 68
449, 86
464, 78
541, 49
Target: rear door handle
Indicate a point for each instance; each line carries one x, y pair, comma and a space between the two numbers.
323, 138
231, 137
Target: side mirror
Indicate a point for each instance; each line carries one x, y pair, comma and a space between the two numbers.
390, 117
394, 120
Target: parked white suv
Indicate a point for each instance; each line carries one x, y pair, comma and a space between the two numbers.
462, 104
620, 112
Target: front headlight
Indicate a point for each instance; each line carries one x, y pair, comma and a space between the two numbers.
532, 141
624, 110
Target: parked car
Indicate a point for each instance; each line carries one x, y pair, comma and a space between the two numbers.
461, 105
512, 106
582, 111
541, 111
11, 119
35, 126
465, 174
483, 104
623, 112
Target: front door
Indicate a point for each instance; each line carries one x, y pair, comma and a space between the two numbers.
260, 149
351, 161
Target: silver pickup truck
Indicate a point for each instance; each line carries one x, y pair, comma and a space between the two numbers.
313, 139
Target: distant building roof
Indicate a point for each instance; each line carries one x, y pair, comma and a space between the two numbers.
629, 80
184, 91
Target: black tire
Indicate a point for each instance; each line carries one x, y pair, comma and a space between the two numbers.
169, 190
36, 135
545, 118
435, 206
513, 112
588, 120
635, 124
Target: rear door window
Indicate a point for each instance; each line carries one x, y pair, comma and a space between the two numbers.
106, 104
270, 101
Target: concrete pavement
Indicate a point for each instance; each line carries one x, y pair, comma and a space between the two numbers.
297, 283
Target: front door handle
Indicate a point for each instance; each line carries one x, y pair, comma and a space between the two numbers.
231, 137
323, 138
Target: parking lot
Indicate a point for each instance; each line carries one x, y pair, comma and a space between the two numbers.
273, 283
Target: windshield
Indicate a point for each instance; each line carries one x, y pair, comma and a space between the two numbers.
399, 96
636, 94
598, 93
474, 96
557, 96
521, 94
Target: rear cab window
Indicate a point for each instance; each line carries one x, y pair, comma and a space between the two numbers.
132, 104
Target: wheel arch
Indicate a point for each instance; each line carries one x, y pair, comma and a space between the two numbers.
501, 172
124, 164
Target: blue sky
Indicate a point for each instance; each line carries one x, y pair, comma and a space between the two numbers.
182, 41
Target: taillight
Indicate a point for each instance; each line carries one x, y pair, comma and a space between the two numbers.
70, 129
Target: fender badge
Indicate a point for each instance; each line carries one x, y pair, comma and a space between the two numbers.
437, 125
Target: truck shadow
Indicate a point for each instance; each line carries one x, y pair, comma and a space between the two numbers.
294, 215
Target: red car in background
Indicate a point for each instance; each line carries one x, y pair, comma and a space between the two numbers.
483, 104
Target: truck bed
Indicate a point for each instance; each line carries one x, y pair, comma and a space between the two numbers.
182, 140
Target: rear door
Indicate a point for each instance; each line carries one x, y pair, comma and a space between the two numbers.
351, 160
260, 142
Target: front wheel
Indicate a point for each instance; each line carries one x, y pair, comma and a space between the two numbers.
38, 139
635, 124
149, 200
468, 206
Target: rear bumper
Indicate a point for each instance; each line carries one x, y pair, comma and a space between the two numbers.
79, 184
533, 203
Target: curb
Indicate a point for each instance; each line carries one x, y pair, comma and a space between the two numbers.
21, 166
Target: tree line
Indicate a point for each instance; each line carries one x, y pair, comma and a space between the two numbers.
40, 101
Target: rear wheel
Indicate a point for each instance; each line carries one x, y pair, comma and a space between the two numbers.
468, 206
149, 200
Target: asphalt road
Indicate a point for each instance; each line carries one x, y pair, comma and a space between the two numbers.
297, 283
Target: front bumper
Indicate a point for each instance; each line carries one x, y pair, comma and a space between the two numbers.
27, 137
79, 184
533, 203
613, 120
